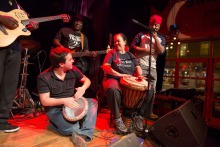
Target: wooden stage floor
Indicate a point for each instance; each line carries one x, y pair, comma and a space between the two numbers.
34, 132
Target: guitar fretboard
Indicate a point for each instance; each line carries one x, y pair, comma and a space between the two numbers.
41, 19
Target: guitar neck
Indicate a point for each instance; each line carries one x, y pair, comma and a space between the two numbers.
42, 19
81, 54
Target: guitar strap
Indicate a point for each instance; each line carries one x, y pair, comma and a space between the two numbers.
82, 41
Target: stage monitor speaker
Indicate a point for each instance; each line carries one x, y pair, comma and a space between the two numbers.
182, 127
130, 140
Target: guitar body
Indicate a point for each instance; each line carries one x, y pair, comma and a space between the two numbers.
7, 36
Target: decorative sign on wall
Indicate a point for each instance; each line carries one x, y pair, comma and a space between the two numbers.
194, 18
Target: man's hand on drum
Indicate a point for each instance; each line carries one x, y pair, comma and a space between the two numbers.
70, 102
79, 92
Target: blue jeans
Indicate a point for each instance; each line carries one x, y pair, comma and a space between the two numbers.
64, 127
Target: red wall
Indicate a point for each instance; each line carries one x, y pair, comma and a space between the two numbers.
195, 19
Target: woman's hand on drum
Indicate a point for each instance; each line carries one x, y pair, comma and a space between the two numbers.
141, 77
79, 92
125, 75
70, 102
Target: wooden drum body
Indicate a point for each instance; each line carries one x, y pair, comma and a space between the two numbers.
133, 90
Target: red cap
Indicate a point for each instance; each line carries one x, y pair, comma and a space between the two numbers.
155, 19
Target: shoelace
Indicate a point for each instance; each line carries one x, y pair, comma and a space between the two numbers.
139, 120
120, 124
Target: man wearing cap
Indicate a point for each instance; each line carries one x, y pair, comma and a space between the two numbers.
141, 47
75, 40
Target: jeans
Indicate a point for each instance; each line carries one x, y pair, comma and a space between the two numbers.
114, 98
85, 126
146, 107
153, 80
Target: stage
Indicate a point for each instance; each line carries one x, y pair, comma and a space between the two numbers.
34, 131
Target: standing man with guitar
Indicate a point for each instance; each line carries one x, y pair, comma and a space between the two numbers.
10, 60
75, 40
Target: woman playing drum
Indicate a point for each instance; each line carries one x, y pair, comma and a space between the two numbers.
118, 63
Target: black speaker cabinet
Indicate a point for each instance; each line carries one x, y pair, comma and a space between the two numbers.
182, 127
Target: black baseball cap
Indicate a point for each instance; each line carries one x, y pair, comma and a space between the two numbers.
79, 17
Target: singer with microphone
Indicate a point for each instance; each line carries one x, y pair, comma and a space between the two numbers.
147, 46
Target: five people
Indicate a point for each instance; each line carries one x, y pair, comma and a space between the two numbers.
58, 85
10, 60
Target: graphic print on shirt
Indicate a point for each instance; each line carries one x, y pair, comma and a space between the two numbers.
74, 41
123, 62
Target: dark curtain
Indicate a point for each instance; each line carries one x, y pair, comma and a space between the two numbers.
71, 5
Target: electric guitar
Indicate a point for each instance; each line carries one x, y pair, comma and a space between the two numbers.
7, 36
88, 54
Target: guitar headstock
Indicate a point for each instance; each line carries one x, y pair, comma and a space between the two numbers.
65, 17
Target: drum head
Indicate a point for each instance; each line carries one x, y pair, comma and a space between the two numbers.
134, 83
76, 114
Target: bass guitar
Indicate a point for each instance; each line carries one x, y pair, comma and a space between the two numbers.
7, 36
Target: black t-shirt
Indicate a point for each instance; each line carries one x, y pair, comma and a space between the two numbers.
122, 63
48, 82
71, 39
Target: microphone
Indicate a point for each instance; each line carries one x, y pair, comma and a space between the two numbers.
144, 26
38, 54
135, 21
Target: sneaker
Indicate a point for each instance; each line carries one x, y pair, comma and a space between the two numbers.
138, 123
78, 140
8, 128
120, 126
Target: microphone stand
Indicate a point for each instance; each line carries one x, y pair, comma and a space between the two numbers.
145, 130
38, 60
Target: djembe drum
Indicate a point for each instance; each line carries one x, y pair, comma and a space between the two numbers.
76, 114
134, 90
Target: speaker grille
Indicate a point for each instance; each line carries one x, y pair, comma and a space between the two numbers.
183, 126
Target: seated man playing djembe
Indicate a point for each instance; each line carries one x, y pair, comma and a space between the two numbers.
118, 63
56, 87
